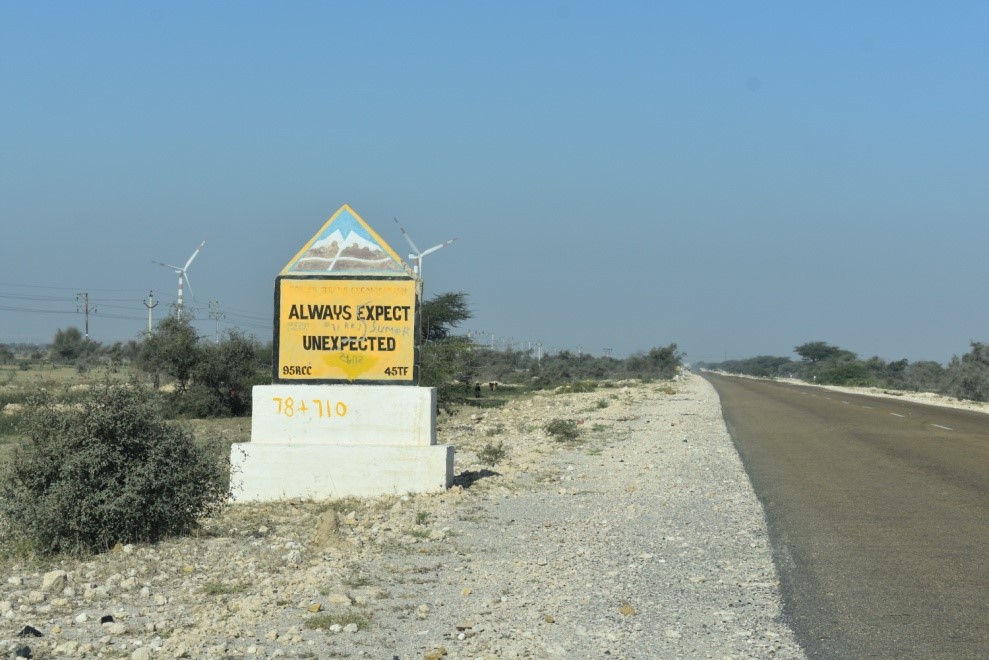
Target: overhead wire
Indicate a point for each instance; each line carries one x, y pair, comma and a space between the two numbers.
239, 318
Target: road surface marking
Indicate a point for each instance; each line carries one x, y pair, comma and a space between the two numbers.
946, 428
897, 415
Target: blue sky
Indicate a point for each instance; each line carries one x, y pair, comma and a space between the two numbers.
738, 178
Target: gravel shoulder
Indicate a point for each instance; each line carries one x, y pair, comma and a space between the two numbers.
640, 539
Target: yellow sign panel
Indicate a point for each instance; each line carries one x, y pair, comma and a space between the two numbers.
346, 330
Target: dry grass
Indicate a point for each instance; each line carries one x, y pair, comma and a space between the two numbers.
50, 375
17, 386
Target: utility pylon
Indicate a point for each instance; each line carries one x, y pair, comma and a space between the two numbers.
150, 304
86, 309
215, 313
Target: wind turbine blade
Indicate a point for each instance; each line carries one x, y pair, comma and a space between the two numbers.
194, 254
406, 235
437, 247
189, 284
175, 268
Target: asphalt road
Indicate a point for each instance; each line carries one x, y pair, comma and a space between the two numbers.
878, 512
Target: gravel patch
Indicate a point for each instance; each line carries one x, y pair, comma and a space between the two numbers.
641, 538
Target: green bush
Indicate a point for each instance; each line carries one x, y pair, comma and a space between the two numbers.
845, 373
968, 376
9, 424
492, 454
657, 363
105, 471
563, 429
194, 402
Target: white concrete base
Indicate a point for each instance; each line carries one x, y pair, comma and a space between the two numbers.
392, 415
323, 441
267, 471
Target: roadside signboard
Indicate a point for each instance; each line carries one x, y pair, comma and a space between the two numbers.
346, 310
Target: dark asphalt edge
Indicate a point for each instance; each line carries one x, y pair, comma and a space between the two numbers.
783, 560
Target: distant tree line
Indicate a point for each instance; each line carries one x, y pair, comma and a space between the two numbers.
195, 376
192, 376
965, 377
456, 365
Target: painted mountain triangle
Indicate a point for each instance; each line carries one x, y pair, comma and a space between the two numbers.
346, 245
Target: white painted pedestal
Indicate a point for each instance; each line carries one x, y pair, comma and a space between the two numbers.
323, 441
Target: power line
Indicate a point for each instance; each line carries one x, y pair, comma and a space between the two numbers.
247, 320
19, 296
122, 317
62, 288
37, 311
104, 304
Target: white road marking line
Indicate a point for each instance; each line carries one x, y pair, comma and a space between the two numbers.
846, 403
946, 428
869, 407
897, 415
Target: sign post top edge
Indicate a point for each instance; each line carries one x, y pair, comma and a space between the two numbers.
346, 246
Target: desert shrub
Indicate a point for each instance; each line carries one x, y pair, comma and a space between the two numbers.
657, 363
213, 379
229, 369
492, 454
216, 588
109, 470
845, 373
173, 350
447, 366
968, 376
197, 401
925, 376
9, 424
18, 393
577, 387
563, 429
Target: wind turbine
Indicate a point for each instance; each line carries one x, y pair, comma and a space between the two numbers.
183, 274
417, 256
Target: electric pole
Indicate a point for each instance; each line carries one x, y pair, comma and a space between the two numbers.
86, 309
150, 304
215, 313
